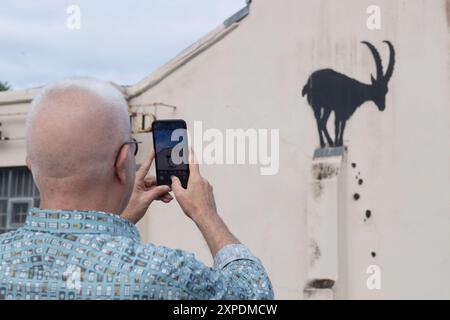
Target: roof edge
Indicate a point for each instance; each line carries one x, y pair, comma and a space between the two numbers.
188, 54
17, 96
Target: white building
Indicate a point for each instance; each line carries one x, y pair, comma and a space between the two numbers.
377, 214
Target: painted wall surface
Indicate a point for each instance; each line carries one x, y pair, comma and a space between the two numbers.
253, 78
13, 108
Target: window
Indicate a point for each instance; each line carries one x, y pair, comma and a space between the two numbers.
18, 194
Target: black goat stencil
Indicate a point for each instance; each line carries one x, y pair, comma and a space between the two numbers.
330, 91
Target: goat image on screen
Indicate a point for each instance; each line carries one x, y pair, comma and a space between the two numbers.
327, 90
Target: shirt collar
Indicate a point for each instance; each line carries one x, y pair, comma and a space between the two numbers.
74, 221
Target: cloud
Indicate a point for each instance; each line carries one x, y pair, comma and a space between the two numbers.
119, 41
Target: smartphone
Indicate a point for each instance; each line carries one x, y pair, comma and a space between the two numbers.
171, 151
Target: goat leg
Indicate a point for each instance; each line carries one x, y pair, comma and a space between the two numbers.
319, 129
326, 115
341, 135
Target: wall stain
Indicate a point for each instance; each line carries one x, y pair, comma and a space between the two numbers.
320, 172
324, 171
321, 284
317, 189
315, 252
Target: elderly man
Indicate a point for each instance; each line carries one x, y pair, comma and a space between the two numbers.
82, 243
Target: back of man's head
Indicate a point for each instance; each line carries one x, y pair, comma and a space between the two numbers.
74, 129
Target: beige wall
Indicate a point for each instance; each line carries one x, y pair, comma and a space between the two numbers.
253, 79
13, 108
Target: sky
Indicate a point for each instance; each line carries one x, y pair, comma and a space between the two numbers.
121, 41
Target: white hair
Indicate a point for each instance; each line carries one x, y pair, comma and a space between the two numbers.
108, 101
106, 91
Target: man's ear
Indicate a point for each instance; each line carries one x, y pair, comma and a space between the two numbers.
121, 164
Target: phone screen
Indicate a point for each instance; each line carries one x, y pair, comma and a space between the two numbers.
171, 151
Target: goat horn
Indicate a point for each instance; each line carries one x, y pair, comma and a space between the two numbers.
377, 58
390, 68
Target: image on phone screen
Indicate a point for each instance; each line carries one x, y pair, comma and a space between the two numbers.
171, 151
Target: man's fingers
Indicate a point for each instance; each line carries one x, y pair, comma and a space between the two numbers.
166, 196
176, 186
150, 181
158, 192
145, 166
166, 201
193, 163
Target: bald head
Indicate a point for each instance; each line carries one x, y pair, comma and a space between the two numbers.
75, 128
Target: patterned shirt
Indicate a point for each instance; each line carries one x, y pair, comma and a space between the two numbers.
94, 255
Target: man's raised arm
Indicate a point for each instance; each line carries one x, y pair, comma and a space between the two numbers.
240, 270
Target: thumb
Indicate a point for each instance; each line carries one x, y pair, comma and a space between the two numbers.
158, 192
176, 186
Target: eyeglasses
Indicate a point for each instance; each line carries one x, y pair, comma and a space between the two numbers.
133, 142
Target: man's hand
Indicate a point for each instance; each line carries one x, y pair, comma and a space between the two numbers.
197, 202
145, 191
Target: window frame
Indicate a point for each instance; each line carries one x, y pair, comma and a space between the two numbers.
16, 186
9, 213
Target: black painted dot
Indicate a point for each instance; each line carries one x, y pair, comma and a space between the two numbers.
360, 181
354, 165
374, 254
356, 196
368, 214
